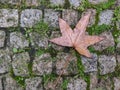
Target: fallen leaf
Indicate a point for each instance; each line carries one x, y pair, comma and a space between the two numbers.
77, 38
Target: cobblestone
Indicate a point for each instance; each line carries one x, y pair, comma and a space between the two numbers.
8, 17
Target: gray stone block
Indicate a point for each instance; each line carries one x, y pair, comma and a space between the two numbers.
13, 2
2, 38
107, 64
38, 40
118, 42
51, 17
66, 64
8, 17
42, 64
76, 84
90, 64
57, 2
11, 84
105, 17
29, 17
92, 17
32, 2
20, 64
75, 3
107, 42
17, 40
34, 83
97, 1
5, 61
116, 83
70, 16
50, 85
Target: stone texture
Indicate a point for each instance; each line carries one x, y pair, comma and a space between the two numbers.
97, 1
34, 83
57, 2
93, 80
107, 64
5, 61
2, 38
116, 83
13, 2
32, 2
118, 43
29, 17
76, 84
118, 2
107, 42
70, 16
118, 59
50, 85
92, 18
104, 84
105, 17
75, 3
38, 40
17, 40
1, 85
56, 34
8, 17
20, 64
66, 64
42, 64
10, 84
51, 17
118, 25
90, 64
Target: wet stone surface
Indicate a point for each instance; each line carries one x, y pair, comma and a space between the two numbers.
90, 64
11, 84
51, 17
57, 2
66, 64
17, 40
20, 64
8, 17
38, 40
2, 38
68, 14
76, 84
42, 64
107, 42
29, 17
116, 83
106, 17
97, 1
5, 61
50, 85
107, 64
34, 83
75, 3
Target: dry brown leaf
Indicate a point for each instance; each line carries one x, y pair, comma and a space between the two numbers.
77, 38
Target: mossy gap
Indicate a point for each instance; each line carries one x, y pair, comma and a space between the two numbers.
81, 73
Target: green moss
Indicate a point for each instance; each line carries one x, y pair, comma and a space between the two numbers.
81, 73
98, 29
64, 84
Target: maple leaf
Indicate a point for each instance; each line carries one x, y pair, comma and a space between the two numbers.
77, 38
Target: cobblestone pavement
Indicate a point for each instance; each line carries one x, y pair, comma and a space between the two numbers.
28, 61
